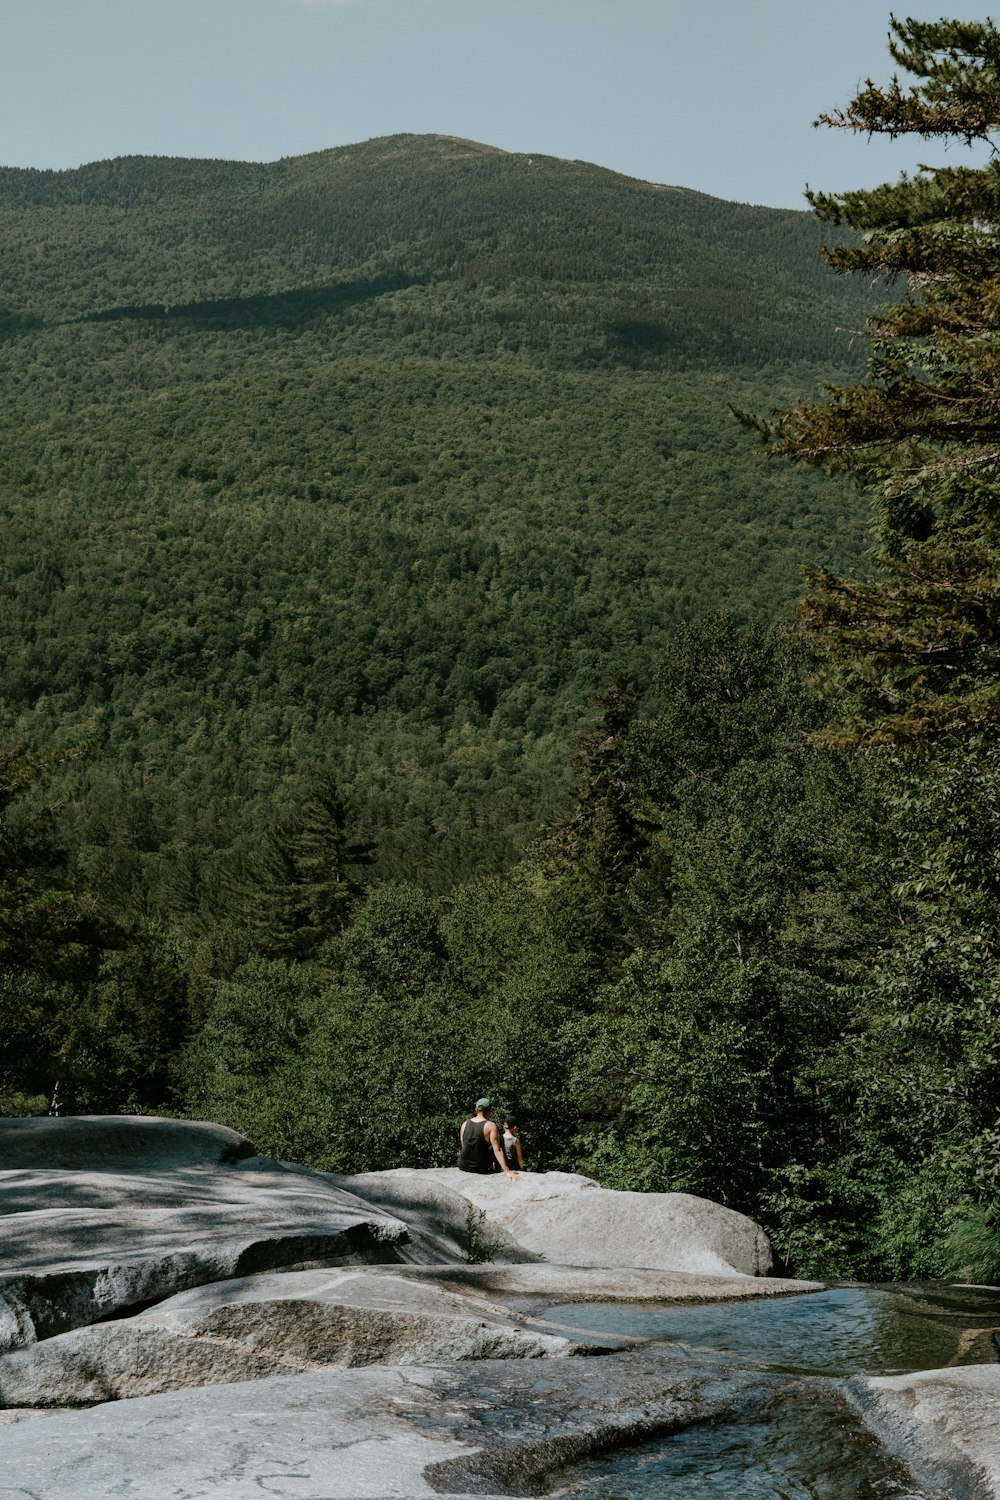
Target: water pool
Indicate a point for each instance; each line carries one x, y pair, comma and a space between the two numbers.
797, 1435
848, 1330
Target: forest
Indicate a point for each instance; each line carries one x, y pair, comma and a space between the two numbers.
380, 461
405, 692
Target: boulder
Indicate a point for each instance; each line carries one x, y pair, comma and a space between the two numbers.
945, 1423
259, 1326
442, 1220
562, 1217
215, 1297
103, 1218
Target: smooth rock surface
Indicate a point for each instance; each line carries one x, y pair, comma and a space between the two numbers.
260, 1326
947, 1421
565, 1218
491, 1428
122, 1143
437, 1214
133, 1263
82, 1243
537, 1286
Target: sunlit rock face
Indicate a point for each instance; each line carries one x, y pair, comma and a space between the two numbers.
100, 1217
570, 1220
948, 1420
495, 1427
191, 1318
255, 1327
280, 1329
131, 1247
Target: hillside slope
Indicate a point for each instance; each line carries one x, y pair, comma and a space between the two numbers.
381, 458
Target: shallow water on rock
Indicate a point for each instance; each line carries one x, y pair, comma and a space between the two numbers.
849, 1330
809, 1446
806, 1442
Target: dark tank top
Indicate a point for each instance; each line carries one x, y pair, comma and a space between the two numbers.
476, 1154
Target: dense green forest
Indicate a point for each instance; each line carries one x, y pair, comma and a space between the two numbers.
380, 460
402, 697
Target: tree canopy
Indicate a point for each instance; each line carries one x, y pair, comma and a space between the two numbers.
917, 645
378, 459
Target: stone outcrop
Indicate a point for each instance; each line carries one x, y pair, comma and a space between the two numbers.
130, 1247
542, 1284
565, 1218
259, 1326
251, 1327
150, 1212
946, 1422
117, 1143
497, 1428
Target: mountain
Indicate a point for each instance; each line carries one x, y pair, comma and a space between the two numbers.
381, 459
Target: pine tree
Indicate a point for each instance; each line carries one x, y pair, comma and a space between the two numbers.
307, 877
54, 937
593, 855
916, 645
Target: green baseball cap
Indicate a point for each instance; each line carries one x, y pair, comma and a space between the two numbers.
483, 1104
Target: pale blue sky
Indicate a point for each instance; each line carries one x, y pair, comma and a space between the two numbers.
716, 95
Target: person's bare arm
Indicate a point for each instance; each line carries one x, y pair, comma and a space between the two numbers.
493, 1136
520, 1153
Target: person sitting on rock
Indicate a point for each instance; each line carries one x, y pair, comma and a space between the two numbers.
512, 1142
482, 1149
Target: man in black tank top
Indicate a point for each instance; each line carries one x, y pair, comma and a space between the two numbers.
481, 1146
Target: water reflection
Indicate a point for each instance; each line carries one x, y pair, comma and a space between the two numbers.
806, 1443
844, 1331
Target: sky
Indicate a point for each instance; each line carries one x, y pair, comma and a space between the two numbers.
717, 95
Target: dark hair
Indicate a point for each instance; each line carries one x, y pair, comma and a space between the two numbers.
510, 1120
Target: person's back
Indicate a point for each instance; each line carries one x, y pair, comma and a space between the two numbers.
476, 1154
512, 1144
480, 1147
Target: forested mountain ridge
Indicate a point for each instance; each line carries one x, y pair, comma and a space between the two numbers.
162, 236
381, 458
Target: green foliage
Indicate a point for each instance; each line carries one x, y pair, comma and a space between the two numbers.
524, 979
334, 489
47, 924
248, 1066
384, 459
304, 882
916, 648
479, 1248
31, 1011
715, 1063
20, 1105
359, 1064
819, 1217
92, 1012
673, 1040
372, 1057
973, 1246
121, 1039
